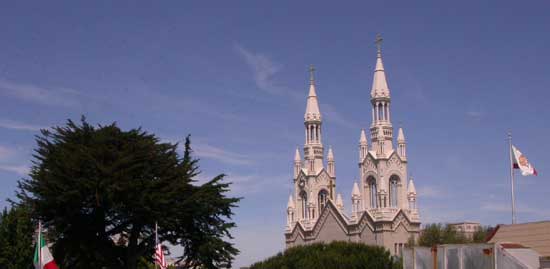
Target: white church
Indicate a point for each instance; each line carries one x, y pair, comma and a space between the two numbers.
383, 203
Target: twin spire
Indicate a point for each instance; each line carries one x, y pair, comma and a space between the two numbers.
312, 108
380, 87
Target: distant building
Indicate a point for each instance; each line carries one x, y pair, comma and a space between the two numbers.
383, 203
535, 235
467, 229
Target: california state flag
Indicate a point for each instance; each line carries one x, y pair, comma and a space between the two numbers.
43, 258
521, 163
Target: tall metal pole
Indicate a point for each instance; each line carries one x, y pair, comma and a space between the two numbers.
39, 244
512, 179
156, 243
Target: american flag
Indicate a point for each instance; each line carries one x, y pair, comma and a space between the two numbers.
159, 254
159, 257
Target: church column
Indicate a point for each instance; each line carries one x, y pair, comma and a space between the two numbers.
388, 108
384, 111
320, 135
377, 112
316, 133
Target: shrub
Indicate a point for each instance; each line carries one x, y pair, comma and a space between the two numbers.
335, 255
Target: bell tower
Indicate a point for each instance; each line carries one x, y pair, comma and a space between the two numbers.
313, 147
381, 128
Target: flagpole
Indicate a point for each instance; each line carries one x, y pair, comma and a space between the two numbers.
156, 242
512, 179
39, 244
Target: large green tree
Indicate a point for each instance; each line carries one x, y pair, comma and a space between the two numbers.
16, 232
99, 191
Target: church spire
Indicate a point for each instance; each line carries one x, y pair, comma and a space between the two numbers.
355, 199
401, 144
381, 126
400, 135
339, 202
330, 163
411, 195
297, 163
312, 108
330, 155
380, 87
313, 148
297, 157
363, 145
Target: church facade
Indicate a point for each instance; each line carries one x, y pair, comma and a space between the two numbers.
383, 202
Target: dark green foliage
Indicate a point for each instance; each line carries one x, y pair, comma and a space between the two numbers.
100, 190
16, 232
437, 233
336, 255
480, 236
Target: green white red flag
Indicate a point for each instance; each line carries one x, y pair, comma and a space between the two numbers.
521, 163
43, 258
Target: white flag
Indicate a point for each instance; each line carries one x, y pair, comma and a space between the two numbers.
521, 163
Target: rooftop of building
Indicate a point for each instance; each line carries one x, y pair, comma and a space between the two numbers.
535, 235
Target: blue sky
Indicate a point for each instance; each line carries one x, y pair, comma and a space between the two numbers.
234, 76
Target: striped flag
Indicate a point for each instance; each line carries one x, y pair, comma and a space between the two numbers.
43, 258
159, 254
159, 257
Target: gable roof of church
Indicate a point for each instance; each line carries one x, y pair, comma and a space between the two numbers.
333, 210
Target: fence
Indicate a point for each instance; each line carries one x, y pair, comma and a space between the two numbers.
469, 256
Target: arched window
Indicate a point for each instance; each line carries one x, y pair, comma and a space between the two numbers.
372, 186
322, 200
303, 197
394, 181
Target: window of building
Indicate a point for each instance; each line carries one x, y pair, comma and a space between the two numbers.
303, 197
394, 180
322, 199
372, 187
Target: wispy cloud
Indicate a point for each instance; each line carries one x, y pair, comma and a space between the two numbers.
332, 115
249, 184
208, 151
431, 192
5, 152
437, 213
474, 114
37, 94
18, 169
264, 70
15, 125
521, 208
205, 150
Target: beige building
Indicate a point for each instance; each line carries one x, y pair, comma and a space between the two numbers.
467, 228
535, 235
383, 203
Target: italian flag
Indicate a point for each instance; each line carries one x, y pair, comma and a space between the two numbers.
43, 258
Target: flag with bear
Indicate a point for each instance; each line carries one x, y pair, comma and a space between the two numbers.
521, 163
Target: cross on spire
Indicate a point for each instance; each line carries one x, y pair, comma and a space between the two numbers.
378, 42
311, 71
